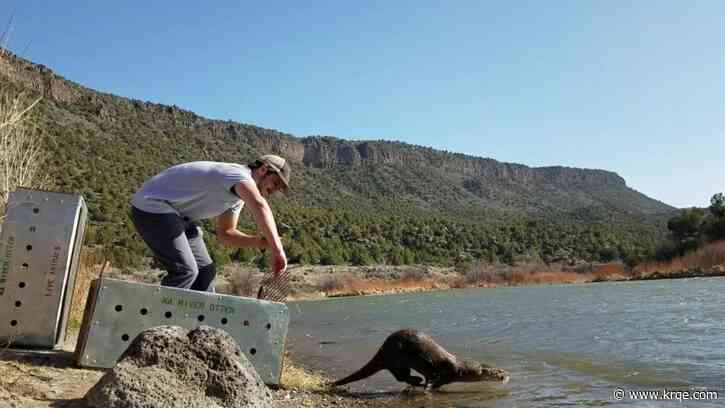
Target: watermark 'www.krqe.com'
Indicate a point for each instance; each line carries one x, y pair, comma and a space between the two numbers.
664, 395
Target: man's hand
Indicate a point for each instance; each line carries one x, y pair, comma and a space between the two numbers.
278, 262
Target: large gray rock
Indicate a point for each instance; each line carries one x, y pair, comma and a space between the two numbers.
169, 366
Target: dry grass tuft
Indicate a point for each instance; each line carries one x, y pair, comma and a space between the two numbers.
487, 275
333, 284
242, 281
413, 274
610, 271
295, 377
90, 267
352, 286
707, 257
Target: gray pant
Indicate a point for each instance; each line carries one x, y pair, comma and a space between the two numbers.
179, 246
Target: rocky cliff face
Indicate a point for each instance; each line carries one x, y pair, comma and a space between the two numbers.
327, 152
320, 152
38, 78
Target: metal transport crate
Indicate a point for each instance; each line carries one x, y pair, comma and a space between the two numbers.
41, 238
117, 311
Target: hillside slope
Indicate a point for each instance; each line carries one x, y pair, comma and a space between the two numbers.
369, 201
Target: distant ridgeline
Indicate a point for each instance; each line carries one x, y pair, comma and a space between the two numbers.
351, 202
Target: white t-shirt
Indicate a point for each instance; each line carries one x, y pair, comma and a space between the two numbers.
196, 190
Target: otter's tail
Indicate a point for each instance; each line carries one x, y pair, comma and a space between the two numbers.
373, 366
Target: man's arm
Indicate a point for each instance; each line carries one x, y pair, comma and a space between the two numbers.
262, 214
228, 234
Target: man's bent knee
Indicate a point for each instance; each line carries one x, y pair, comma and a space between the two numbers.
180, 276
205, 279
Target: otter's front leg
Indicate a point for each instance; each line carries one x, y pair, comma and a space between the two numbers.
415, 381
434, 383
402, 374
429, 383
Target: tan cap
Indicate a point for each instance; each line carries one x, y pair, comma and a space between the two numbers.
279, 165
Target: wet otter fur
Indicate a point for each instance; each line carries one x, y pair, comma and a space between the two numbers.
409, 349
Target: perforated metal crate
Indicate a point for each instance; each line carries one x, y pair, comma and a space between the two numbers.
117, 311
41, 237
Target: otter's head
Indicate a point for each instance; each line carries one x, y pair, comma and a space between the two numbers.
473, 371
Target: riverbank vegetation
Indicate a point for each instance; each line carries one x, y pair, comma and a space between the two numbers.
708, 260
695, 245
693, 228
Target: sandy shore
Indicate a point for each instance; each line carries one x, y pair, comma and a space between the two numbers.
51, 380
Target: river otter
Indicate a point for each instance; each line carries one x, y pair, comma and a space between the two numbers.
410, 349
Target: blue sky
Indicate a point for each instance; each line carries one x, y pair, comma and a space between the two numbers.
632, 87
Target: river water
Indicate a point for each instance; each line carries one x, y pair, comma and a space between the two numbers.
564, 345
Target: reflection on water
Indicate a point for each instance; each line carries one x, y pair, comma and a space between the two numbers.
562, 344
446, 398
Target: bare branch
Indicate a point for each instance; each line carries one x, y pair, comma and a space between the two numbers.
22, 155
